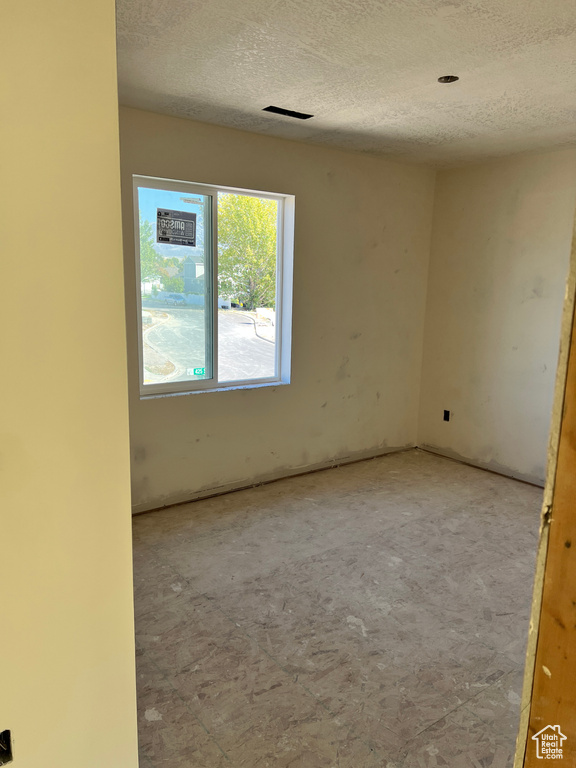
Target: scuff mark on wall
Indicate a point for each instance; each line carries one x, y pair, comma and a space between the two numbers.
342, 372
139, 453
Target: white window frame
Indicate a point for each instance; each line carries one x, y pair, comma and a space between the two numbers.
284, 280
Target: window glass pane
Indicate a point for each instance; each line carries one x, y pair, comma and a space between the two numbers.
175, 234
247, 295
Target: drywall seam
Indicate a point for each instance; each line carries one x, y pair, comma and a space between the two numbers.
552, 460
425, 313
270, 477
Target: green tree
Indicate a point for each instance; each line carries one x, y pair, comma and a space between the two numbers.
247, 249
173, 284
150, 259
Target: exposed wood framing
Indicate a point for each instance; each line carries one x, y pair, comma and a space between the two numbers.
549, 696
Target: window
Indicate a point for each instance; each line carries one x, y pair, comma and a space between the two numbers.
214, 275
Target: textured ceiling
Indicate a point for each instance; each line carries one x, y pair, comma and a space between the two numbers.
366, 69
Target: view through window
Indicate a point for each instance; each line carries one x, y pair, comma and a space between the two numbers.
247, 265
192, 238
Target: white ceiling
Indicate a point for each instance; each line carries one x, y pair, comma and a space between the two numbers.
367, 70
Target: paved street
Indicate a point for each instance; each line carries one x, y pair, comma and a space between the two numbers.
180, 338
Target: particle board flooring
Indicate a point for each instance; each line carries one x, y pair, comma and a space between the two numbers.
370, 616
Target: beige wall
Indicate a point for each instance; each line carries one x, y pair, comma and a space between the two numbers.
498, 266
67, 683
361, 257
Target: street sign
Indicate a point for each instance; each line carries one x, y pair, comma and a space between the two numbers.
175, 227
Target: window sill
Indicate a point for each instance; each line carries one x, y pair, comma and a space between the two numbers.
220, 388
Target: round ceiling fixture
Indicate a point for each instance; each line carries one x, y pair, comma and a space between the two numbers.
448, 79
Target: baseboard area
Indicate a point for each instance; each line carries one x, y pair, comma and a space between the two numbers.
271, 477
494, 467
284, 473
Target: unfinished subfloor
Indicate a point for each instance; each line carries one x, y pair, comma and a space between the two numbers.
367, 616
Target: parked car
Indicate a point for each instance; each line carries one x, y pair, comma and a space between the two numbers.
175, 298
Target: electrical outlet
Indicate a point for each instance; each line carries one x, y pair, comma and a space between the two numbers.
5, 748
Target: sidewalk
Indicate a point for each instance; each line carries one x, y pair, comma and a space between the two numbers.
262, 329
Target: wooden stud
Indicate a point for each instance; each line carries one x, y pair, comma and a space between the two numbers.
549, 705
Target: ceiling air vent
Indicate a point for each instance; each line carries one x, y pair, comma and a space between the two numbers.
288, 113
